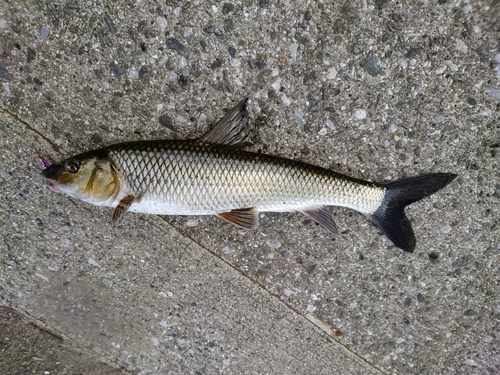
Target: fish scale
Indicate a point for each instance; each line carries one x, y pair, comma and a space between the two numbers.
195, 178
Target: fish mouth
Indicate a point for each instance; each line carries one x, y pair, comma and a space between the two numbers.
53, 186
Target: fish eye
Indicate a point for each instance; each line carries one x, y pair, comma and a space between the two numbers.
73, 166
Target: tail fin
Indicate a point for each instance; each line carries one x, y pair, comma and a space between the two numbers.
390, 217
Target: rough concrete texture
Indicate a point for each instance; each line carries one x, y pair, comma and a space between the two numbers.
28, 348
375, 89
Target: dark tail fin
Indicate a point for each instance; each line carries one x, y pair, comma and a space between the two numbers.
390, 217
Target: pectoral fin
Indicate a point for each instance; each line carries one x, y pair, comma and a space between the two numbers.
322, 216
124, 205
247, 218
229, 130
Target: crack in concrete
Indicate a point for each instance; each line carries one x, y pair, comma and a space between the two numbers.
6, 112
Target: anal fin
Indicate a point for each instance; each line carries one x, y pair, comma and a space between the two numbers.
124, 205
247, 218
322, 216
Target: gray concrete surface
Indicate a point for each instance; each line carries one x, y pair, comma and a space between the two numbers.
28, 348
377, 90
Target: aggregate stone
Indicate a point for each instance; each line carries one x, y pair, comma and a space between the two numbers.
227, 8
167, 121
372, 65
174, 44
116, 69
413, 52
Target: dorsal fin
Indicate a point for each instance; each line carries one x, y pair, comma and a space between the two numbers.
247, 218
229, 129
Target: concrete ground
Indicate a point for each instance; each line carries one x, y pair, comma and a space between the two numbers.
375, 89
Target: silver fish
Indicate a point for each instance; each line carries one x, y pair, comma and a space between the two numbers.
214, 175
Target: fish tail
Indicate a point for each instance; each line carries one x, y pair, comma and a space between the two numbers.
390, 217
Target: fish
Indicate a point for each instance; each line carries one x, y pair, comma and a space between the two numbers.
215, 175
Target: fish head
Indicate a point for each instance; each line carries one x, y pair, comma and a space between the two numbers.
86, 177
